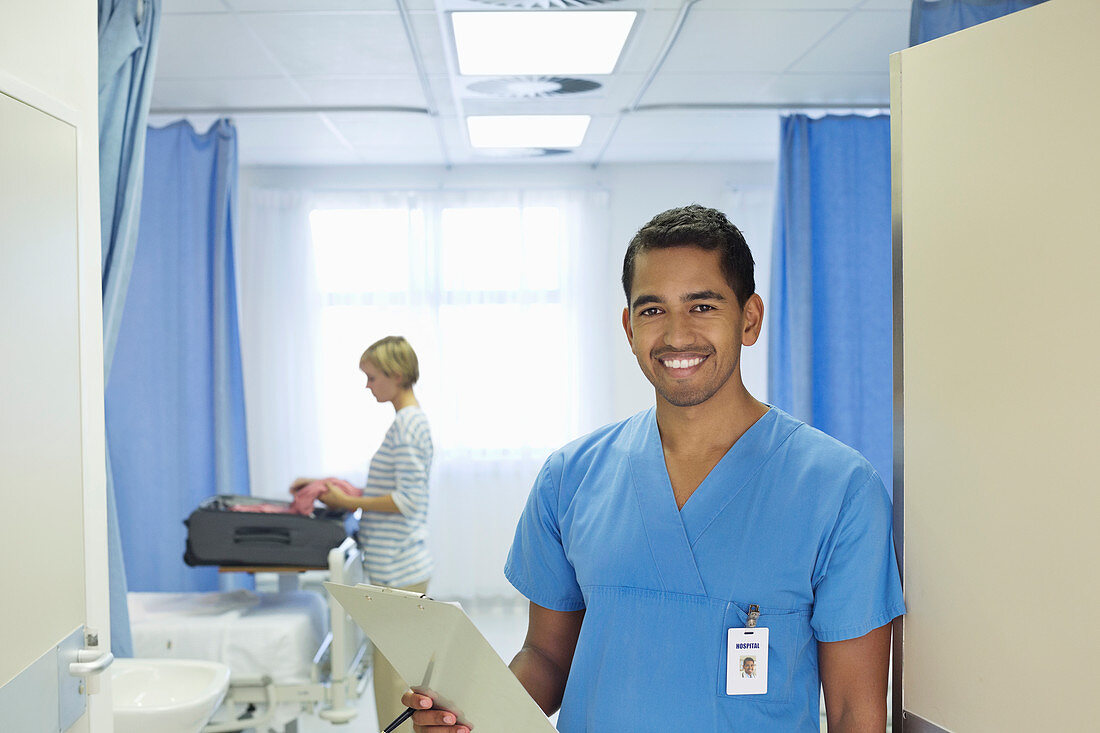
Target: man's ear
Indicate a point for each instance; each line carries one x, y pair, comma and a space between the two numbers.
752, 317
627, 327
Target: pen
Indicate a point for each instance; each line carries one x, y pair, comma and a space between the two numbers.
400, 719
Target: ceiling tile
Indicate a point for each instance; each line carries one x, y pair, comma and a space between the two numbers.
429, 39
192, 93
706, 88
381, 129
270, 6
336, 44
862, 44
400, 91
829, 89
204, 46
621, 89
645, 41
444, 98
333, 53
721, 41
751, 135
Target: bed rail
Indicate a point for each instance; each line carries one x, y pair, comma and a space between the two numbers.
348, 645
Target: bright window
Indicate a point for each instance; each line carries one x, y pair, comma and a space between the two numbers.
477, 290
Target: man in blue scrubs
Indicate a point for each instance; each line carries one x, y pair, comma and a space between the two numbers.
656, 551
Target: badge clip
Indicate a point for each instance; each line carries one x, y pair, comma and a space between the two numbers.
754, 613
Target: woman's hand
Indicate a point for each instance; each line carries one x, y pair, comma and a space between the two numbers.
428, 719
334, 498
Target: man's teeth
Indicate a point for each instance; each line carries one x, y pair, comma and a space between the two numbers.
681, 363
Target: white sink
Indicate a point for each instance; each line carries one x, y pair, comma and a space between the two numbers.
166, 695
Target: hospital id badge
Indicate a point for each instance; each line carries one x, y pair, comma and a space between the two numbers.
747, 661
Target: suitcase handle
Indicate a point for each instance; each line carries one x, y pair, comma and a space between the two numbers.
261, 535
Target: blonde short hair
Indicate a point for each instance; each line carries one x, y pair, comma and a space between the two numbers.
395, 357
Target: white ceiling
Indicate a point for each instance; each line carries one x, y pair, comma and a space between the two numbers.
286, 72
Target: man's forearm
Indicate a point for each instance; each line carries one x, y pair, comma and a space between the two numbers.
541, 677
870, 719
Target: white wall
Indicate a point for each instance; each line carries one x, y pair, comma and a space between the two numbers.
637, 192
49, 55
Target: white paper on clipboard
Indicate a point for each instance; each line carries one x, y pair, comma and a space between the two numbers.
438, 650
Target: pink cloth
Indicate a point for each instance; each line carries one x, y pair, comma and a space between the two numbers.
305, 497
261, 508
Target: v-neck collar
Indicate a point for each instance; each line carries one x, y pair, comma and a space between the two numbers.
664, 528
672, 532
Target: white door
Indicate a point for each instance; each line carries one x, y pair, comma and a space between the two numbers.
51, 454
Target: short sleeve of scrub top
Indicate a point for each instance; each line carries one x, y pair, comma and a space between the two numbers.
856, 587
537, 565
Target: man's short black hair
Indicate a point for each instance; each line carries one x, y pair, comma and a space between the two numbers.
696, 226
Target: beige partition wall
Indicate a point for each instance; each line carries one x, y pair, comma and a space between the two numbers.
997, 186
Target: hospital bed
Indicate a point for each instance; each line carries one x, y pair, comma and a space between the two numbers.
290, 653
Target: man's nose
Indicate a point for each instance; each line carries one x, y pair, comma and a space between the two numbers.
678, 332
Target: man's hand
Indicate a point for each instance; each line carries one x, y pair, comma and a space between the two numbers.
429, 719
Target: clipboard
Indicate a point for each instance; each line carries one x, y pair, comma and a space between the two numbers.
437, 649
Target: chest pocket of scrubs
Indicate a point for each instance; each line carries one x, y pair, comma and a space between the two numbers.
790, 646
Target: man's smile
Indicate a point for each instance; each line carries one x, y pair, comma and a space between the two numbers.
681, 365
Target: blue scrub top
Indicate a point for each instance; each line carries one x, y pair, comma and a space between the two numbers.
789, 520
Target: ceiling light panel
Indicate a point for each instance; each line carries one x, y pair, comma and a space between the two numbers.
527, 131
540, 42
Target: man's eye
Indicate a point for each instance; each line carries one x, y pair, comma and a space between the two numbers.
650, 312
703, 307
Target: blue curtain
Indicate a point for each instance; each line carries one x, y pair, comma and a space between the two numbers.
931, 19
175, 400
128, 31
830, 347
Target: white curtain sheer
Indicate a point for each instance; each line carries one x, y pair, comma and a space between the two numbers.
505, 296
279, 310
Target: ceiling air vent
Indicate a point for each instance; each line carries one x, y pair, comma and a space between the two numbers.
546, 4
533, 87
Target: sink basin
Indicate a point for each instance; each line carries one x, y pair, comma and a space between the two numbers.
166, 695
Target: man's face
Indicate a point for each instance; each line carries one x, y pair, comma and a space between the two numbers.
684, 323
750, 666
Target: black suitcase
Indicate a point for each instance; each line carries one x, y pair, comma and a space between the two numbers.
217, 535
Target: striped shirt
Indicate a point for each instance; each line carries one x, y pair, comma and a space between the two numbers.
395, 545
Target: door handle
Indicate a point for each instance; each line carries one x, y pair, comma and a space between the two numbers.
90, 662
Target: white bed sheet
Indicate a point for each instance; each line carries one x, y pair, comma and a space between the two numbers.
254, 634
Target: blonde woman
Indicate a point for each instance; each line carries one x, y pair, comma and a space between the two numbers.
393, 529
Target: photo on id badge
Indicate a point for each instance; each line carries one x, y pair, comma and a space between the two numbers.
747, 661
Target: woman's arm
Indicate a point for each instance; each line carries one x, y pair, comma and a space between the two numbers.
339, 500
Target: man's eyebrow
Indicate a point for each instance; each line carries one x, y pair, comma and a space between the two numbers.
702, 295
644, 300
